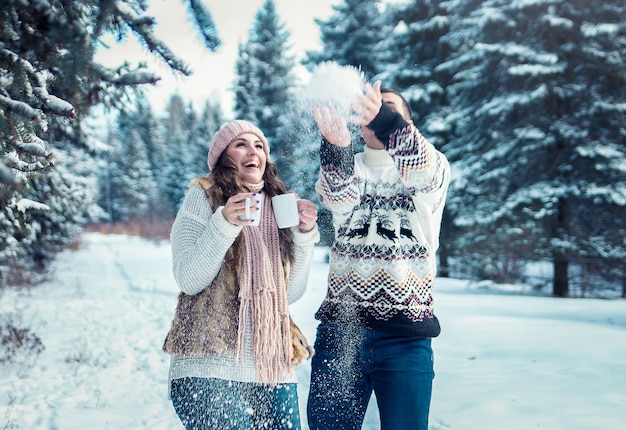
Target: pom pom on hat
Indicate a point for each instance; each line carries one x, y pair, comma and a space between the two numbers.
227, 133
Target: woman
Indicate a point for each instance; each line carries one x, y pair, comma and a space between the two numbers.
232, 342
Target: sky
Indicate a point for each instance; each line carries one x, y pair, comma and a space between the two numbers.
214, 72
507, 357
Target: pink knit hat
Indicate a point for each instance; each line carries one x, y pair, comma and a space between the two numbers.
230, 131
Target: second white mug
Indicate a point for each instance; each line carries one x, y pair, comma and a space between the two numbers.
286, 210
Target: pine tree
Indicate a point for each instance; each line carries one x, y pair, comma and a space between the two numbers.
196, 144
536, 95
350, 36
246, 86
408, 59
410, 54
50, 81
149, 130
265, 80
175, 175
133, 183
210, 120
130, 187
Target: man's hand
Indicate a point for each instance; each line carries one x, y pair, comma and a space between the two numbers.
368, 105
332, 125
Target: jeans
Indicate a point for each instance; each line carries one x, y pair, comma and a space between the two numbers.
217, 404
349, 363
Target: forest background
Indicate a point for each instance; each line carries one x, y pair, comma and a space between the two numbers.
526, 98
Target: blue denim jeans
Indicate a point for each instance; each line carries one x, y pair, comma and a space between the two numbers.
217, 404
349, 363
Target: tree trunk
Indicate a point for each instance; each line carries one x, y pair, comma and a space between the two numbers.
560, 286
443, 269
446, 244
560, 230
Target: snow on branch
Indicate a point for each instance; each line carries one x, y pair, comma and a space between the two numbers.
58, 106
522, 52
24, 205
122, 77
14, 162
33, 84
535, 70
20, 108
104, 73
137, 78
558, 21
600, 107
602, 29
497, 105
35, 147
11, 57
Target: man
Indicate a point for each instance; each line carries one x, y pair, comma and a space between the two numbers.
377, 319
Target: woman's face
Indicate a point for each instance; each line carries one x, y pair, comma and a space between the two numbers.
246, 151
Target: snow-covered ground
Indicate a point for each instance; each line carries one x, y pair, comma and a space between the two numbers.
504, 360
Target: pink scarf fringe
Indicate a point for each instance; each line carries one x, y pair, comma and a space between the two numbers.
263, 297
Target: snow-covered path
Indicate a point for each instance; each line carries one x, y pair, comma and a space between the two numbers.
503, 361
102, 320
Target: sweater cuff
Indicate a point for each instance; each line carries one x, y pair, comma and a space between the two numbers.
386, 123
340, 157
223, 226
306, 239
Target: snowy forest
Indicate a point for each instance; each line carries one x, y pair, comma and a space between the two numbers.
526, 98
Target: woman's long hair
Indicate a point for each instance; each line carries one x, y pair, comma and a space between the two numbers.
227, 182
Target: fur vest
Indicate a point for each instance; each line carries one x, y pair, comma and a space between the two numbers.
206, 324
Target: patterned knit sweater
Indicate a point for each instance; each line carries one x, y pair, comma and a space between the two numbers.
200, 240
387, 207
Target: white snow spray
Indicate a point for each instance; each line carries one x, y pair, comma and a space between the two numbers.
335, 86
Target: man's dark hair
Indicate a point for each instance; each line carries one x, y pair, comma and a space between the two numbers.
407, 107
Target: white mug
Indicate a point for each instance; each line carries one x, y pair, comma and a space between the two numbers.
254, 216
286, 210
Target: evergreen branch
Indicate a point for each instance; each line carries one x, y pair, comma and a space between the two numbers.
205, 23
143, 27
51, 103
103, 73
155, 45
103, 17
34, 85
58, 106
22, 166
8, 55
37, 149
20, 108
6, 175
23, 205
137, 78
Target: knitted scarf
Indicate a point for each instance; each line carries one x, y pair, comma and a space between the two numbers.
263, 297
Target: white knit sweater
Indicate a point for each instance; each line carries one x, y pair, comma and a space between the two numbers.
200, 239
387, 207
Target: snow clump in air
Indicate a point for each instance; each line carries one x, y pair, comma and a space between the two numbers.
332, 85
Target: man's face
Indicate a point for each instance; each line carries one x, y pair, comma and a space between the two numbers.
395, 104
